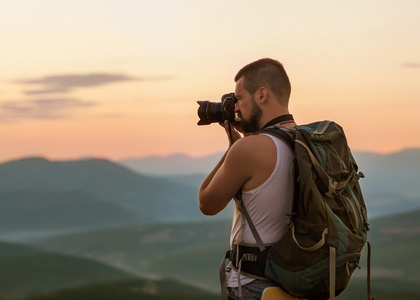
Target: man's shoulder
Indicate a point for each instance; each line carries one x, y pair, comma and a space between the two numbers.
252, 146
255, 156
254, 140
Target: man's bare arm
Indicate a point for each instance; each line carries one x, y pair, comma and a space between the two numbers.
232, 172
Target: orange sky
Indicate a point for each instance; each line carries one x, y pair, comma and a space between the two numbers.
120, 79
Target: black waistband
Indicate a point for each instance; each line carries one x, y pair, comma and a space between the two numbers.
253, 260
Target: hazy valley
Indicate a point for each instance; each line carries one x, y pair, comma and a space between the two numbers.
133, 228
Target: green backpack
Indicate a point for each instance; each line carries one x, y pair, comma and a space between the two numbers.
328, 227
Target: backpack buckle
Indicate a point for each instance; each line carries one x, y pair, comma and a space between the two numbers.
249, 257
232, 255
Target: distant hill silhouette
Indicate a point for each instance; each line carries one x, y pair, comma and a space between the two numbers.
149, 197
35, 212
392, 182
38, 194
177, 164
151, 224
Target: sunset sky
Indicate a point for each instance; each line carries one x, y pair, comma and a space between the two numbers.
120, 79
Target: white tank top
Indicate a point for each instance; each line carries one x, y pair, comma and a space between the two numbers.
269, 206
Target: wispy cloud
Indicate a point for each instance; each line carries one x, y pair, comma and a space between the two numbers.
66, 83
69, 82
412, 65
50, 109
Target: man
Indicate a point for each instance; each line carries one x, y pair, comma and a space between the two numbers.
258, 165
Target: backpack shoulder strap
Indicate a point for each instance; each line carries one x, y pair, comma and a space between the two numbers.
286, 135
254, 231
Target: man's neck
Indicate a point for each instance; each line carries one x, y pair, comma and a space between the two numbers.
285, 118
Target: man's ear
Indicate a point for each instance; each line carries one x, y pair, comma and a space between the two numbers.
262, 94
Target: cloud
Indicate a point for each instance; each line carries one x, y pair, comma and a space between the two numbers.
412, 65
50, 109
66, 83
60, 108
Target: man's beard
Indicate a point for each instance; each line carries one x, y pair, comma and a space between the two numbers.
253, 123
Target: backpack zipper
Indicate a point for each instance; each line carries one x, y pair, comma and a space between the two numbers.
353, 209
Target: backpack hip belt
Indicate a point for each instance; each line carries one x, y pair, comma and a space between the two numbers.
249, 260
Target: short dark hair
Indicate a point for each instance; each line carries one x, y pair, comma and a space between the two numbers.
266, 72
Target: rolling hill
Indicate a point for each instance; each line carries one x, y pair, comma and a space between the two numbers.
149, 224
33, 213
177, 164
151, 198
390, 185
189, 252
38, 196
132, 290
28, 271
192, 252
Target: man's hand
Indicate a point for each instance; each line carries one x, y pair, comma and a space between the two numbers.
236, 130
232, 132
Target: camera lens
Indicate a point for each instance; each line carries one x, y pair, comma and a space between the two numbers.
209, 112
212, 112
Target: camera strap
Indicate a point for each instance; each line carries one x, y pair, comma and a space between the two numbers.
230, 134
279, 120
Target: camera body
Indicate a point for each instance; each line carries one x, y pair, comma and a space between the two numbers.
212, 112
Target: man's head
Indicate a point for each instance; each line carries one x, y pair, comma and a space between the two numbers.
267, 73
263, 91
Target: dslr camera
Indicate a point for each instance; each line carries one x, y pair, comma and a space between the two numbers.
212, 112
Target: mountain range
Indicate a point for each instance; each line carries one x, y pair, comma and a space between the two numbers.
102, 217
42, 197
176, 164
38, 196
390, 185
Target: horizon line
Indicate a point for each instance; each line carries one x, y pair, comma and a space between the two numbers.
58, 158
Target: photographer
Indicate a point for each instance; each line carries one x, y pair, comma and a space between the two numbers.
257, 165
